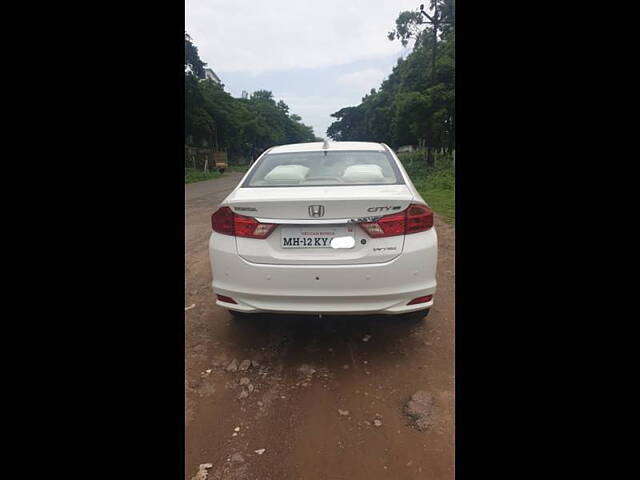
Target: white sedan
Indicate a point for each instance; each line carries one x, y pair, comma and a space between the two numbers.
325, 228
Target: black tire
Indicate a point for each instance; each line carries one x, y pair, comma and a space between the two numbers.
221, 170
416, 317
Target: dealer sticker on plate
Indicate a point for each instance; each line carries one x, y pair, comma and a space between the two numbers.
318, 237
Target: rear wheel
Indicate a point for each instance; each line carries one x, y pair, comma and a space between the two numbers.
415, 317
221, 170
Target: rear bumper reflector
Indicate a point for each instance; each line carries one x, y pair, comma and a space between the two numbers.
420, 300
225, 299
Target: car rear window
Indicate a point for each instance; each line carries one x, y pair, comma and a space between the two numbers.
324, 168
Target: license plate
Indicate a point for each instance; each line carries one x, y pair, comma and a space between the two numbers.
313, 237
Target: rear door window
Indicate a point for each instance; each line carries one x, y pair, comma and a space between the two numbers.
324, 168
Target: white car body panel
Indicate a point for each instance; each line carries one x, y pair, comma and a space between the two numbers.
339, 201
380, 276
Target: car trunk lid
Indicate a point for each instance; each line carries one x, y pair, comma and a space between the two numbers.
310, 218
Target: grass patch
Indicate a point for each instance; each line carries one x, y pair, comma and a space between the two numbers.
192, 175
238, 168
436, 184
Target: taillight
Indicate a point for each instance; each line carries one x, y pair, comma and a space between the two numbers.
419, 219
251, 228
416, 218
387, 226
228, 223
222, 221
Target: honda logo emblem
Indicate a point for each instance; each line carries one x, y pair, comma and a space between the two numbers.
316, 211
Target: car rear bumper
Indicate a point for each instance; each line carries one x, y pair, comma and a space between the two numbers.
383, 288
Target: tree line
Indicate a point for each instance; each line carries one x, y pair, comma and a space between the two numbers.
415, 105
241, 126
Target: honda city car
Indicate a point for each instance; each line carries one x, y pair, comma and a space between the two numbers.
325, 228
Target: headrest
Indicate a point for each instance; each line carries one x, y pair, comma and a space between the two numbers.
363, 173
287, 174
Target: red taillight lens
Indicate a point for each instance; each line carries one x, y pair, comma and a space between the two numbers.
420, 300
416, 218
222, 221
225, 299
419, 218
228, 223
386, 226
251, 228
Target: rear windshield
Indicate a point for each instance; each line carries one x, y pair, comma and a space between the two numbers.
323, 169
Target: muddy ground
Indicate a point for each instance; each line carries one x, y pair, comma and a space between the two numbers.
317, 401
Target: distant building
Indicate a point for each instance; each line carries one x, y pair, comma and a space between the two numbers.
210, 75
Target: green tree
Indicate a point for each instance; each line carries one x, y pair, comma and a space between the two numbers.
192, 61
416, 103
409, 25
243, 127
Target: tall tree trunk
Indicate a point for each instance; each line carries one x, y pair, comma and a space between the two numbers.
434, 52
452, 132
429, 142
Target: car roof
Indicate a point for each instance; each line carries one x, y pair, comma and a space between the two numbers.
318, 147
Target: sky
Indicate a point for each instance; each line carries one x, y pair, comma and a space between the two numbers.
317, 55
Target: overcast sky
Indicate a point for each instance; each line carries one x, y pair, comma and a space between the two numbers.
318, 56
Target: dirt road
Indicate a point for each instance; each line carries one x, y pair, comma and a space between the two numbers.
321, 401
